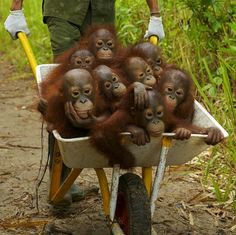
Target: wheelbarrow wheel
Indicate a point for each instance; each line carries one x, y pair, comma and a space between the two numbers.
133, 207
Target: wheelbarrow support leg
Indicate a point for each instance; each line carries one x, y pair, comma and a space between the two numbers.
147, 178
102, 179
114, 190
55, 174
115, 227
166, 142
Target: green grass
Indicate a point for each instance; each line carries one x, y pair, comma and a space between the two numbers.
200, 37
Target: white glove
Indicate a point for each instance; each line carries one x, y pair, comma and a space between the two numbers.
15, 23
155, 28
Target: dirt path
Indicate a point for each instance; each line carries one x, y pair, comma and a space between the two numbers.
183, 207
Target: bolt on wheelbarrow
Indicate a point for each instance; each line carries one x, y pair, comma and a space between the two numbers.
129, 204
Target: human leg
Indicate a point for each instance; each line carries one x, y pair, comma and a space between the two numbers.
63, 35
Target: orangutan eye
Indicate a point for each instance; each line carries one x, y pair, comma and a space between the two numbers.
78, 61
110, 44
99, 43
75, 94
87, 91
160, 113
141, 75
169, 89
158, 61
179, 92
149, 114
114, 79
87, 61
148, 70
107, 85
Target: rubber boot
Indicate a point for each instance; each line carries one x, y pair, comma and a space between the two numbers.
77, 194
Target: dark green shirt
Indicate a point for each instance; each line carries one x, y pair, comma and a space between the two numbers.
74, 11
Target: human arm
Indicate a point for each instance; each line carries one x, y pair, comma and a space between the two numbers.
155, 26
15, 21
153, 7
16, 5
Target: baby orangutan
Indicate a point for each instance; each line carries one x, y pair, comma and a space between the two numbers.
111, 86
140, 74
176, 89
70, 109
106, 136
153, 57
82, 59
101, 40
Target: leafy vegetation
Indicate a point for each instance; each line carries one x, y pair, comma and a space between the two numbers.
200, 37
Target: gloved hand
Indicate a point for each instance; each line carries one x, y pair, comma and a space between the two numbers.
15, 23
155, 28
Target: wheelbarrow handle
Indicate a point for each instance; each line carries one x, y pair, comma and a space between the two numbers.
28, 51
154, 40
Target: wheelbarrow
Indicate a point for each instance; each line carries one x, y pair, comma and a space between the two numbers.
129, 203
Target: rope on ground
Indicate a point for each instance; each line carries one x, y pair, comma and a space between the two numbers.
38, 179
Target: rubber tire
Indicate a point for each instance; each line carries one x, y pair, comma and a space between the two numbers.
133, 211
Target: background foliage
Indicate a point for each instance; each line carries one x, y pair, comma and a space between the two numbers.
200, 37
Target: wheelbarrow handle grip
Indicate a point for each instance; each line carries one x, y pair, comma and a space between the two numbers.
28, 51
154, 40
